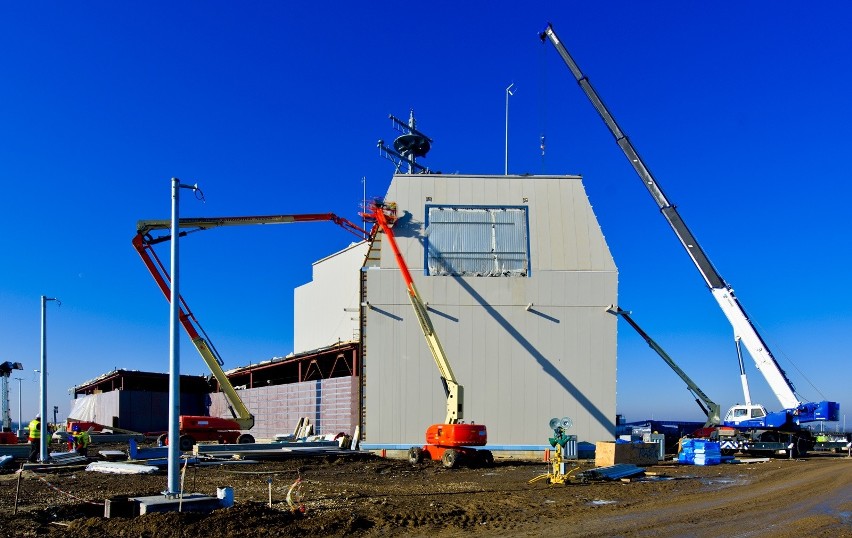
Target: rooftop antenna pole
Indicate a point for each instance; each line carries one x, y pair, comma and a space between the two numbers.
364, 202
410, 155
508, 93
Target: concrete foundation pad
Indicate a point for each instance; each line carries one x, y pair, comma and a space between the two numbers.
191, 502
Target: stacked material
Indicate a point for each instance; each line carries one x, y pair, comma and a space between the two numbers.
699, 452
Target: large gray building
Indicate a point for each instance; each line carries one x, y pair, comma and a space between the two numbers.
517, 276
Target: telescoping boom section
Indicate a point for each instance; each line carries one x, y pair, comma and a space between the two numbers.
745, 331
204, 428
708, 406
447, 442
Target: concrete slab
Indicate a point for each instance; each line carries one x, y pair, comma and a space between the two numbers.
192, 502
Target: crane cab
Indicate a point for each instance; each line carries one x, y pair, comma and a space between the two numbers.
742, 412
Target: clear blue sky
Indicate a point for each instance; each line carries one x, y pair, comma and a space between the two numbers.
740, 109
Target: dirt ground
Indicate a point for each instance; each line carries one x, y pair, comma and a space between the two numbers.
372, 496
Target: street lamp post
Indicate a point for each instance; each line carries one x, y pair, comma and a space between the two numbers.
43, 390
20, 407
173, 455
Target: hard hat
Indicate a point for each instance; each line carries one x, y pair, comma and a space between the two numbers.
38, 415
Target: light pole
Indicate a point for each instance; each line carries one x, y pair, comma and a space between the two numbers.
43, 390
173, 486
508, 93
20, 407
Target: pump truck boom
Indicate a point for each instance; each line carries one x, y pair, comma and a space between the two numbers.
748, 416
204, 428
451, 441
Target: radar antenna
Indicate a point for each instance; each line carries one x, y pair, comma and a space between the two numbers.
407, 147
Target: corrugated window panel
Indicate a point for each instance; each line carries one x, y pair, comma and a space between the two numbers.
477, 241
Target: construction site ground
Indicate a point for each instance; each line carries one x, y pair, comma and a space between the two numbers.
366, 495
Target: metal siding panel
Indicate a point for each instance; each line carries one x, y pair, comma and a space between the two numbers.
556, 229
527, 353
543, 219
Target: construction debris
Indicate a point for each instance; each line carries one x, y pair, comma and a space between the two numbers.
613, 472
117, 467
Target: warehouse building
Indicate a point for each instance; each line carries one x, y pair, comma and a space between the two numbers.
517, 276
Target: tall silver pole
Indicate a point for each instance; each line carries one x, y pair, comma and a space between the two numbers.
173, 453
174, 353
508, 93
20, 407
43, 388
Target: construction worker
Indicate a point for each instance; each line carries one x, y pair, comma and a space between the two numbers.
72, 437
81, 441
34, 438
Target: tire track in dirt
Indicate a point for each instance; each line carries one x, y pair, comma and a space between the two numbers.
776, 505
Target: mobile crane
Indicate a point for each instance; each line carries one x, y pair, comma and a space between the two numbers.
204, 428
451, 441
766, 431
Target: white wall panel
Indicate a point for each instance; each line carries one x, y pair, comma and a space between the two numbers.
519, 368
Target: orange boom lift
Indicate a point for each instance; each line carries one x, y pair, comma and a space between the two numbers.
451, 441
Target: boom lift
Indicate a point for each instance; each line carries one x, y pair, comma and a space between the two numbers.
205, 428
451, 441
710, 408
783, 425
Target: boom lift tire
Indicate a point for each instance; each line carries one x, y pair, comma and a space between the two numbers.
450, 458
415, 455
485, 457
186, 442
245, 438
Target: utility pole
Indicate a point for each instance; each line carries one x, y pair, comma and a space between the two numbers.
43, 390
20, 407
173, 486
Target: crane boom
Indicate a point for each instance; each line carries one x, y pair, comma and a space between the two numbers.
454, 391
710, 408
744, 329
144, 242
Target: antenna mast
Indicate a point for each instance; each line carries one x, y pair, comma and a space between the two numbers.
407, 147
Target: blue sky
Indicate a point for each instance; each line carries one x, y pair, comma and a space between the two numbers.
740, 110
